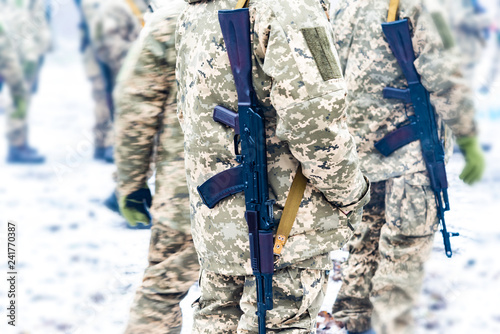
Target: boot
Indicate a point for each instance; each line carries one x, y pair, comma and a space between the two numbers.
108, 154
104, 153
112, 203
24, 155
99, 153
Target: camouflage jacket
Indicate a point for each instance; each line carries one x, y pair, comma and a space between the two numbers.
114, 28
10, 69
303, 97
146, 108
370, 66
468, 26
28, 28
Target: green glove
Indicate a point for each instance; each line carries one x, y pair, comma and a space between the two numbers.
474, 160
21, 106
135, 208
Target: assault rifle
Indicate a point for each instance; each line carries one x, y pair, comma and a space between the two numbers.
421, 126
251, 175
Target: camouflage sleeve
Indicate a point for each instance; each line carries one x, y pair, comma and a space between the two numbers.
145, 83
10, 68
113, 31
343, 33
439, 65
308, 93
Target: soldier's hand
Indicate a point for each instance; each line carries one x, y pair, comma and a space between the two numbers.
21, 108
474, 159
135, 208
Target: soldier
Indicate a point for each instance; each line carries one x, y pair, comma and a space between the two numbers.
384, 272
11, 72
108, 30
470, 23
302, 93
29, 37
101, 85
115, 27
492, 81
39, 16
30, 31
146, 109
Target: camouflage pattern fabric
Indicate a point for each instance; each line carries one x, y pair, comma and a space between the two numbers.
305, 124
146, 108
11, 74
469, 29
383, 275
492, 80
26, 34
227, 303
385, 269
369, 66
103, 128
10, 67
28, 28
173, 268
112, 29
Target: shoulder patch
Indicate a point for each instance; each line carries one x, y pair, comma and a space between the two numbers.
320, 47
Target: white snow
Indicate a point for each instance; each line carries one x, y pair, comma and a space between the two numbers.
79, 267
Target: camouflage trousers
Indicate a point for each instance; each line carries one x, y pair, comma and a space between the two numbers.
173, 268
17, 130
103, 129
383, 275
228, 303
17, 127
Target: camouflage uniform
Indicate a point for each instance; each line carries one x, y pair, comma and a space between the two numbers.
383, 275
29, 33
110, 28
113, 30
492, 80
301, 90
11, 73
469, 27
146, 107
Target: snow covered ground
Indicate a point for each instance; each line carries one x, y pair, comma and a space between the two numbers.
79, 267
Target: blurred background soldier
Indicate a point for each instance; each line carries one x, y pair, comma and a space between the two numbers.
27, 27
39, 15
146, 117
109, 27
470, 23
301, 91
384, 272
492, 80
12, 74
